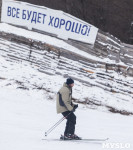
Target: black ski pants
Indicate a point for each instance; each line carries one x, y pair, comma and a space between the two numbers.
71, 122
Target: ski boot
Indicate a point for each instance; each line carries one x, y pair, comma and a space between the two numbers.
75, 137
69, 136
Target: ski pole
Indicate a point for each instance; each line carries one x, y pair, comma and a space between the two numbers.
56, 124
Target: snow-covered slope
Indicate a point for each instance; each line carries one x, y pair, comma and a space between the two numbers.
32, 71
51, 60
25, 115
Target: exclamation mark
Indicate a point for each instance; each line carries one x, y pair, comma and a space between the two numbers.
89, 28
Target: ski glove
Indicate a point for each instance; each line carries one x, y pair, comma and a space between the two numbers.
75, 107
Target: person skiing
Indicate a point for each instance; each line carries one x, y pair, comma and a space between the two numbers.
65, 106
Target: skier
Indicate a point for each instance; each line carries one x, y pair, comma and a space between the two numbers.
65, 106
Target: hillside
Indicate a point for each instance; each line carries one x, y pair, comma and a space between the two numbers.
34, 65
101, 83
26, 115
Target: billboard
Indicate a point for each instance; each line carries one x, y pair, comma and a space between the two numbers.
55, 22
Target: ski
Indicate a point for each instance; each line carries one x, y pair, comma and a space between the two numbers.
80, 140
98, 140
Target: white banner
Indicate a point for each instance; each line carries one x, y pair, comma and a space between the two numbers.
51, 21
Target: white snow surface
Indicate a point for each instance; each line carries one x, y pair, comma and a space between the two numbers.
26, 115
31, 77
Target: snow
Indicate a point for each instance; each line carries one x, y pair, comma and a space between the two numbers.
30, 78
26, 115
113, 41
22, 74
27, 102
41, 37
102, 43
130, 57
